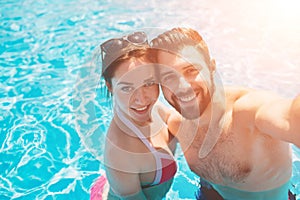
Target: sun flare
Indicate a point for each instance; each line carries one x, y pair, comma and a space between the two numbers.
286, 11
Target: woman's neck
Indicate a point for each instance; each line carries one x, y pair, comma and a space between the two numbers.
148, 128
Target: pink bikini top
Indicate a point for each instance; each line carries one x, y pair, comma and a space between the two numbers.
166, 166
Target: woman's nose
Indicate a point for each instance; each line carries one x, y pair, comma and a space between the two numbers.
140, 96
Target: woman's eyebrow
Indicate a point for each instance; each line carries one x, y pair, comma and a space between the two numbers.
167, 73
124, 83
149, 79
128, 83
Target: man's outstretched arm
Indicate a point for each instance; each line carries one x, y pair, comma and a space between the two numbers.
295, 120
280, 118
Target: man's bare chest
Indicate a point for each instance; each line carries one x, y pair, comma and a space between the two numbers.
227, 161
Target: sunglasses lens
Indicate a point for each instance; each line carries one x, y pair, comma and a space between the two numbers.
111, 45
113, 48
137, 38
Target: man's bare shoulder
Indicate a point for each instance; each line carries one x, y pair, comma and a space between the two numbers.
247, 102
236, 91
174, 121
162, 110
255, 98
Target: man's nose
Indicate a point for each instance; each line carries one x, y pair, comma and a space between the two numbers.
183, 84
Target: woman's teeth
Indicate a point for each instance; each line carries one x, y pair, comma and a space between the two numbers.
141, 109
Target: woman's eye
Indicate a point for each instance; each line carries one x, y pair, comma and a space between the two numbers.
169, 78
127, 89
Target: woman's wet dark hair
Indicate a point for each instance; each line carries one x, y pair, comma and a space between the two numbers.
145, 53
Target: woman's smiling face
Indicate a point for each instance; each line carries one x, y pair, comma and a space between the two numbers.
135, 89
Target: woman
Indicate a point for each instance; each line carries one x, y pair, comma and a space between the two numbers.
139, 161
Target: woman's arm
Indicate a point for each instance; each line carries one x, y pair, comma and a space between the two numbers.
121, 167
124, 185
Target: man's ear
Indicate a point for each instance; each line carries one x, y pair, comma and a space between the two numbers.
212, 65
109, 87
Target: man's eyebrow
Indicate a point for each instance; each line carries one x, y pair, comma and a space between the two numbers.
191, 65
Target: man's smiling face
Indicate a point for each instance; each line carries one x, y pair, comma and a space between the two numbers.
185, 80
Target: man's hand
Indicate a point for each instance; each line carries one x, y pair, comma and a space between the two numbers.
295, 120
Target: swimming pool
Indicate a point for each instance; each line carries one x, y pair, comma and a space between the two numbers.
52, 115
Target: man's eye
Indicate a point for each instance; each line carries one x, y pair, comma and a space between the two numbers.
150, 83
127, 89
192, 70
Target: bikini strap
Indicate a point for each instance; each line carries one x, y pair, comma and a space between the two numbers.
134, 129
157, 155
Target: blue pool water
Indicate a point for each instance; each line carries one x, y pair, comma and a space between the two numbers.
52, 114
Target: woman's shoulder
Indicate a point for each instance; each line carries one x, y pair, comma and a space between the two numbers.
118, 134
120, 148
121, 138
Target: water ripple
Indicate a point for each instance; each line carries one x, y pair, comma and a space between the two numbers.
53, 112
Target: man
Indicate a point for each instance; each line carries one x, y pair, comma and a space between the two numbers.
241, 143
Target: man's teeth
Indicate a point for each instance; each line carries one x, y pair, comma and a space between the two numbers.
186, 99
141, 109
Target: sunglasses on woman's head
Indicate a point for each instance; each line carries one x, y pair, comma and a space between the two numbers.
136, 38
116, 46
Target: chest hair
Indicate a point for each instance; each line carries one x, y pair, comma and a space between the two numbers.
224, 163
